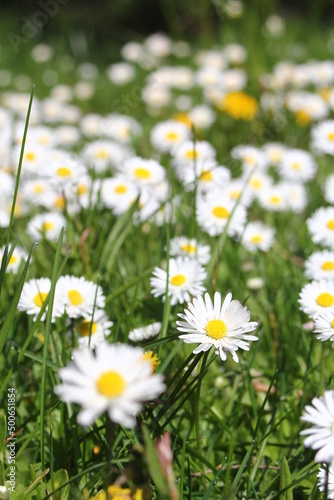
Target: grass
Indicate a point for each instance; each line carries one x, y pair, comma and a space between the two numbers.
234, 427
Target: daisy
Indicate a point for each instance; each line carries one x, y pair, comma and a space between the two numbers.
65, 170
317, 297
202, 116
183, 246
117, 380
237, 189
297, 165
38, 192
320, 436
13, 264
329, 189
102, 154
93, 331
322, 137
274, 199
324, 477
295, 195
118, 194
274, 152
48, 225
67, 135
121, 73
79, 296
324, 326
251, 157
321, 226
214, 213
166, 136
120, 128
33, 295
257, 236
224, 326
320, 265
145, 332
189, 153
185, 279
143, 172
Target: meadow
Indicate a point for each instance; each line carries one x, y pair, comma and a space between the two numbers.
167, 264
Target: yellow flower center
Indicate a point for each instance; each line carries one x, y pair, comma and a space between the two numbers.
296, 166
328, 266
191, 154
172, 136
302, 117
220, 212
235, 194
38, 188
101, 154
84, 327
255, 183
330, 224
82, 189
152, 358
332, 323
206, 176
178, 280
325, 299
64, 172
249, 159
142, 173
275, 156
257, 238
216, 329
121, 189
13, 260
330, 136
47, 226
189, 248
40, 298
60, 202
30, 156
111, 384
75, 297
275, 200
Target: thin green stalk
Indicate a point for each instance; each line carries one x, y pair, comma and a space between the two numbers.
197, 401
46, 344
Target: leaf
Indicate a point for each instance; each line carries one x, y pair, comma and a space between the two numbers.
285, 481
59, 479
153, 463
2, 431
35, 483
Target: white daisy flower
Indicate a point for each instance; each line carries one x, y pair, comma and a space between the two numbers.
329, 189
33, 295
317, 297
322, 137
257, 236
251, 157
274, 152
207, 175
79, 296
97, 330
183, 246
258, 183
65, 171
214, 213
143, 172
321, 226
202, 116
166, 136
148, 205
6, 184
274, 199
119, 127
121, 73
48, 225
320, 265
118, 194
37, 192
320, 436
185, 279
117, 380
102, 154
145, 332
19, 254
67, 135
324, 326
297, 165
189, 153
237, 189
324, 477
224, 326
295, 195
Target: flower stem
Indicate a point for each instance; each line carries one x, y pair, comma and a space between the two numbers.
197, 401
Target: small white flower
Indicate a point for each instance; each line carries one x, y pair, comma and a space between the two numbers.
321, 226
320, 265
143, 172
48, 225
145, 332
166, 136
322, 137
324, 478
324, 326
117, 380
224, 326
34, 293
18, 255
317, 297
78, 295
91, 333
329, 189
257, 236
213, 214
185, 279
183, 246
320, 436
297, 165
